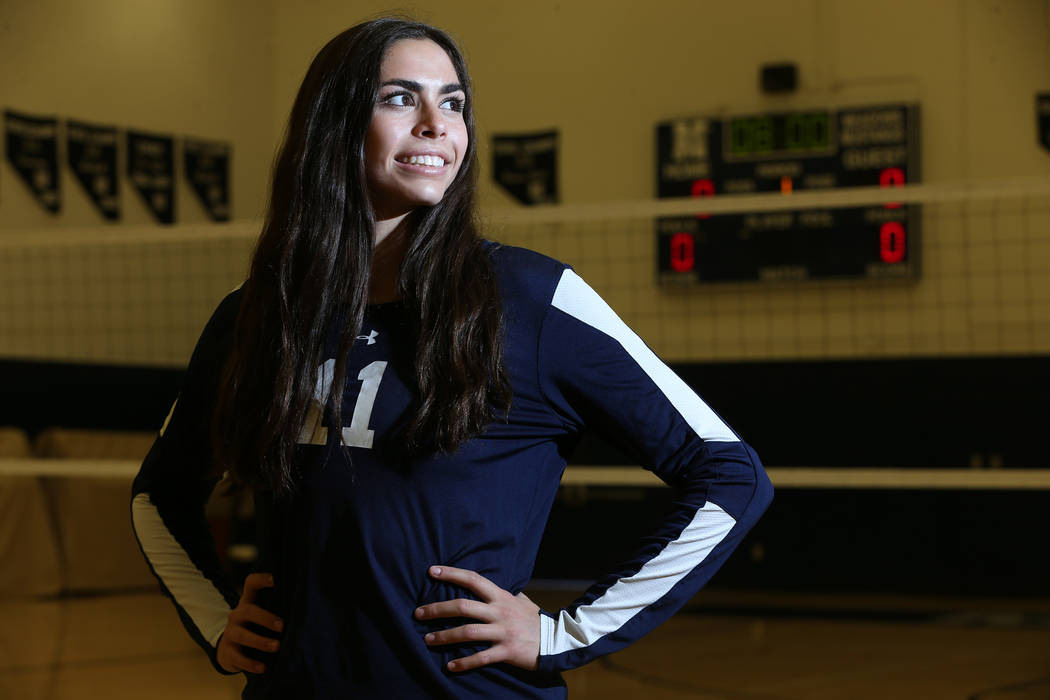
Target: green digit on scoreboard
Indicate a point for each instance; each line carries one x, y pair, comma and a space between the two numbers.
751, 135
740, 137
818, 131
763, 134
806, 132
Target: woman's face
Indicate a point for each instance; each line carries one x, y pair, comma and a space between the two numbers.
417, 136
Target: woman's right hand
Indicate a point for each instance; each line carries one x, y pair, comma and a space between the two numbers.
237, 634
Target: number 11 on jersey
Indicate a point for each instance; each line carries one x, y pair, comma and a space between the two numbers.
357, 434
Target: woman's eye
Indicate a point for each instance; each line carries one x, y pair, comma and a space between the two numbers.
453, 103
398, 99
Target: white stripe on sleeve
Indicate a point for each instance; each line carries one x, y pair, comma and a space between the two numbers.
576, 298
629, 596
191, 589
167, 420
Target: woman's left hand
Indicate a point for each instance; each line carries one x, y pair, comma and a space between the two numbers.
510, 622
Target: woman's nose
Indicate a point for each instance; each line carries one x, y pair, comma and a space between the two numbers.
431, 122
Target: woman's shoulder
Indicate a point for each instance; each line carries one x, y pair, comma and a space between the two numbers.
225, 315
524, 272
218, 331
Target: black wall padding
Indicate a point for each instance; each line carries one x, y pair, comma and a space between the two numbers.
37, 395
876, 413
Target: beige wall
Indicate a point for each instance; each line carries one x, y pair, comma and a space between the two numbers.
602, 73
199, 68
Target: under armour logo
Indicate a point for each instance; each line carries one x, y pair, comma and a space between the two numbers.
371, 337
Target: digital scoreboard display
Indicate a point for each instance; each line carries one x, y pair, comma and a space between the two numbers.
789, 152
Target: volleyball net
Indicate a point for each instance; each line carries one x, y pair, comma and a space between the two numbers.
982, 286
140, 296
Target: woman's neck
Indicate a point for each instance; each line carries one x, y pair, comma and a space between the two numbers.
391, 244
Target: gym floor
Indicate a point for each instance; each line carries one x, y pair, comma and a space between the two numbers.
725, 645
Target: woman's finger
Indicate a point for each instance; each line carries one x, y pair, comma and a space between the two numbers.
247, 638
262, 617
468, 579
460, 607
463, 633
254, 582
482, 658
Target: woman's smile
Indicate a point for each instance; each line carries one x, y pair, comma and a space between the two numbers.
427, 161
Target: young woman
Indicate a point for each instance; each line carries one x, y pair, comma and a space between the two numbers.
401, 396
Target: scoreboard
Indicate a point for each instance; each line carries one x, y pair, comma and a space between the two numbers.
788, 152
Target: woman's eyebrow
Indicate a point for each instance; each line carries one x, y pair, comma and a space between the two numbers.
417, 87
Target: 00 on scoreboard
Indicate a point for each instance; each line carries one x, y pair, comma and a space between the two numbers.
788, 152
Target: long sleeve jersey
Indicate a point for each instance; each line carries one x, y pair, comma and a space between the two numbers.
350, 550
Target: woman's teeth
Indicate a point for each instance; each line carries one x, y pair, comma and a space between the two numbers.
433, 161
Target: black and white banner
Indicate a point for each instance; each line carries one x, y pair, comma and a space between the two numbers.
1042, 115
151, 169
526, 165
92, 153
32, 150
207, 166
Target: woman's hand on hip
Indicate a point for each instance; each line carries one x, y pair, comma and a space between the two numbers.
237, 635
510, 622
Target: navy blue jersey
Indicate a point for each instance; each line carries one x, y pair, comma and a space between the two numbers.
350, 551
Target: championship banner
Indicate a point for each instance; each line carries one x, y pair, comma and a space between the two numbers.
92, 154
526, 165
32, 150
1042, 116
207, 166
151, 169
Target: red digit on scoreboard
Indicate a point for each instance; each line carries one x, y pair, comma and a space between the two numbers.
892, 242
682, 258
703, 188
891, 177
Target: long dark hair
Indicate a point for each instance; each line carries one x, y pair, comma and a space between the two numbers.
311, 269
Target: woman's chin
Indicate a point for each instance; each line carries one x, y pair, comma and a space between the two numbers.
408, 205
